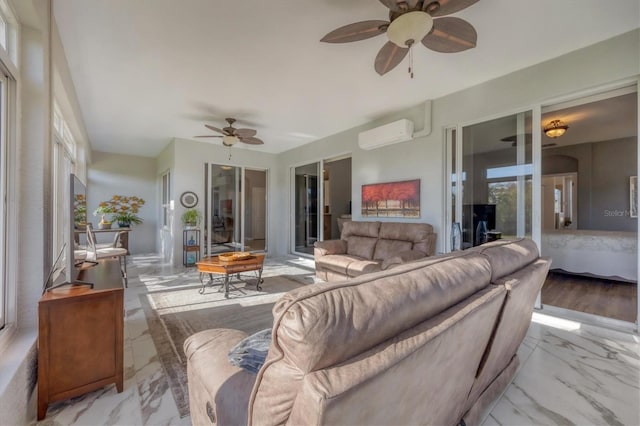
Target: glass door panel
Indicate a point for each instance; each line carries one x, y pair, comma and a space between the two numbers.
306, 214
255, 210
235, 209
222, 220
493, 177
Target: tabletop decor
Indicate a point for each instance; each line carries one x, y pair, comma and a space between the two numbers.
124, 208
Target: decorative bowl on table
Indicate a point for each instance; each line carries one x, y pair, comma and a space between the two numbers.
234, 255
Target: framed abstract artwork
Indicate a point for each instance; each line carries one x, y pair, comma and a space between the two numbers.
391, 199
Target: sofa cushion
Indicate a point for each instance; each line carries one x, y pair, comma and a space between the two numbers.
361, 229
507, 256
359, 267
400, 258
337, 262
361, 246
413, 232
389, 248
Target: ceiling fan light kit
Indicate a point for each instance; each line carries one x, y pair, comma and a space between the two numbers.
555, 129
229, 140
410, 22
409, 28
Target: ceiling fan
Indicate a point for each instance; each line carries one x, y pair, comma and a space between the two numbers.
230, 135
411, 22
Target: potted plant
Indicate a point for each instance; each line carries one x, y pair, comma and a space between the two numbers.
191, 218
127, 208
103, 210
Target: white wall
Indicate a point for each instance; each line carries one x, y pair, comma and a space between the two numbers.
117, 174
422, 158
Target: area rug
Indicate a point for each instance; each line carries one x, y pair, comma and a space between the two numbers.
175, 314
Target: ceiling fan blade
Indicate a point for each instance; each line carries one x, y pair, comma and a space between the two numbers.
215, 129
251, 140
398, 5
244, 133
450, 35
208, 136
389, 57
447, 7
390, 4
356, 32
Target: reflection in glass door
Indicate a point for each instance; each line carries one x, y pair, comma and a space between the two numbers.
306, 207
255, 210
235, 214
491, 185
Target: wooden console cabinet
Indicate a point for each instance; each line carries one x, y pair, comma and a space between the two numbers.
80, 336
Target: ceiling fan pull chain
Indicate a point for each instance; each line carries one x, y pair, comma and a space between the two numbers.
411, 62
229, 153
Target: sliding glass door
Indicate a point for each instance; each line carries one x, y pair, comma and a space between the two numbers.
235, 209
306, 207
491, 179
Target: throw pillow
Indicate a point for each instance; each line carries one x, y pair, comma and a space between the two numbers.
250, 353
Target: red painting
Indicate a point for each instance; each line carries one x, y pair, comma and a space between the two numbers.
392, 199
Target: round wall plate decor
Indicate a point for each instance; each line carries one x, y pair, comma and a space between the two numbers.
189, 199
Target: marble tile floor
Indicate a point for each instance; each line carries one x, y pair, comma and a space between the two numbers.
570, 373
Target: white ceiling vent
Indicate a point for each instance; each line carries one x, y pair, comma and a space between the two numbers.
398, 131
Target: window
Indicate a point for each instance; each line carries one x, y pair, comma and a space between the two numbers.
3, 196
8, 32
64, 159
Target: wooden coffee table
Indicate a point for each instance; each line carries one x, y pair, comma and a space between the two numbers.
213, 265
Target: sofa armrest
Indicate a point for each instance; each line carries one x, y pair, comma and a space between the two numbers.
402, 257
323, 248
217, 389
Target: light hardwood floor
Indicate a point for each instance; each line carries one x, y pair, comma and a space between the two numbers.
611, 299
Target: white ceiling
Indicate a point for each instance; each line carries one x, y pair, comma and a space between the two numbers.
146, 71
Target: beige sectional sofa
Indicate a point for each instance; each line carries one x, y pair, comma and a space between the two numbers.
366, 247
428, 342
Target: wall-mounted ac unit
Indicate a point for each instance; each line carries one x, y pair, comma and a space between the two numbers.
398, 131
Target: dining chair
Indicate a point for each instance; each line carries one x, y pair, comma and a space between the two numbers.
95, 253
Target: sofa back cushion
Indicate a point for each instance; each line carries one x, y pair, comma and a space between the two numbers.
523, 287
361, 246
360, 229
380, 386
419, 235
386, 249
507, 256
322, 325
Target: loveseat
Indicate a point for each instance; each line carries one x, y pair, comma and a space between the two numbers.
366, 247
428, 342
